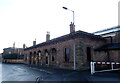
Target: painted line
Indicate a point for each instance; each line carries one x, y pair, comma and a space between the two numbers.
42, 70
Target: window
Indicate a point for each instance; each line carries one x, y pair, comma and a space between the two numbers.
67, 54
53, 54
9, 52
34, 53
30, 58
30, 53
46, 52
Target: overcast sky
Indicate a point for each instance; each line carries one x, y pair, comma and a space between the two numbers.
21, 21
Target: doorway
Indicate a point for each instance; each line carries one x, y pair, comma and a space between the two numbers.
88, 51
46, 60
47, 57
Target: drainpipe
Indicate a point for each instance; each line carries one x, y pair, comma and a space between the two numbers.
74, 55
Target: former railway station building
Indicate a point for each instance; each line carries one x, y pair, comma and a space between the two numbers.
75, 50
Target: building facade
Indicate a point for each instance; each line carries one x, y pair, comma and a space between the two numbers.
74, 50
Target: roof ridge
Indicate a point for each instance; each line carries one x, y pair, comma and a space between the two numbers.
65, 37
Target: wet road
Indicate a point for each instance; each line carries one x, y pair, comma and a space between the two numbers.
21, 72
0, 72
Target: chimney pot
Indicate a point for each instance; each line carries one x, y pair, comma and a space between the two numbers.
34, 42
24, 46
48, 36
72, 27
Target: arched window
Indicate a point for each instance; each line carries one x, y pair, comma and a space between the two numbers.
46, 52
39, 53
30, 58
53, 54
30, 53
47, 57
34, 52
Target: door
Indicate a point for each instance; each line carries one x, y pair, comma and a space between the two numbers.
88, 54
46, 60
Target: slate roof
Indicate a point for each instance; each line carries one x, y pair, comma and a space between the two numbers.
67, 37
110, 46
11, 48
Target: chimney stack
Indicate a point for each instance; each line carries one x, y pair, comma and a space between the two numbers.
14, 45
24, 46
48, 36
72, 27
34, 42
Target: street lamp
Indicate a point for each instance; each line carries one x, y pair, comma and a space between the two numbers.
74, 55
72, 12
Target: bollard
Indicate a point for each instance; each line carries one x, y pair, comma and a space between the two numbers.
92, 64
112, 65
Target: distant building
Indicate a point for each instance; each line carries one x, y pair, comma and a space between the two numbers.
1, 57
12, 50
11, 54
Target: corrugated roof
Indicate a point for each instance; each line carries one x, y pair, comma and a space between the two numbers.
110, 46
117, 28
67, 37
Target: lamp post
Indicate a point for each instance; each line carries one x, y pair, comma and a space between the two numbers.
74, 55
72, 12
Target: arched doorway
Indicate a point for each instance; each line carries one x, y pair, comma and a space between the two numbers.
46, 57
34, 58
39, 58
30, 58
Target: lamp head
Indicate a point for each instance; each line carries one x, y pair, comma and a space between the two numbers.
65, 8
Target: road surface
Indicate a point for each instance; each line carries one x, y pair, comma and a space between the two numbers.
21, 72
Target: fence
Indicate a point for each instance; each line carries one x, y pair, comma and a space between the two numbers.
92, 65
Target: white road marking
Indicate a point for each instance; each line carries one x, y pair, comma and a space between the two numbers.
42, 70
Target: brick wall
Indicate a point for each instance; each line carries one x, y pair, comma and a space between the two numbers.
81, 44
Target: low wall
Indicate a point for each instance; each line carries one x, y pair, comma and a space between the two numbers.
13, 61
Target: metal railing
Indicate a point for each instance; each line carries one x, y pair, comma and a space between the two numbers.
92, 65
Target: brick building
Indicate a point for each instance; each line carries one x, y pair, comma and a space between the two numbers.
74, 50
12, 50
13, 55
112, 46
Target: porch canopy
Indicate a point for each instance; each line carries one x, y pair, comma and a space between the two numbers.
110, 46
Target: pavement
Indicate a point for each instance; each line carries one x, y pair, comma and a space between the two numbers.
21, 72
